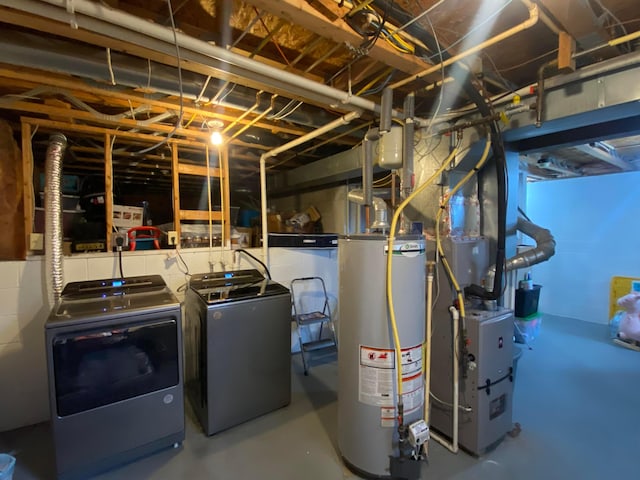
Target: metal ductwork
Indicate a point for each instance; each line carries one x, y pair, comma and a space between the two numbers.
53, 216
380, 213
28, 50
545, 248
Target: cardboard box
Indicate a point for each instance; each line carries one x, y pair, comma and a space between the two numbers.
125, 216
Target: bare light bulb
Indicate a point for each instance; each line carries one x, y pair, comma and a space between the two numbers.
216, 138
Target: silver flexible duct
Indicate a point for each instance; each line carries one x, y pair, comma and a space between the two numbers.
53, 216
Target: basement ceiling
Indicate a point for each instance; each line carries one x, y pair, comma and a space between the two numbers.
64, 61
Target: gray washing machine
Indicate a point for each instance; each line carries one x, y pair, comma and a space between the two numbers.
238, 358
114, 354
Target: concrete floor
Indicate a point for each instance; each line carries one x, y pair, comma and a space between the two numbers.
577, 398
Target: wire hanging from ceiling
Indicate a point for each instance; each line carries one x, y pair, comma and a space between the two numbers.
180, 86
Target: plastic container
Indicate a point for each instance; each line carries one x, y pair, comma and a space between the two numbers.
7, 466
527, 301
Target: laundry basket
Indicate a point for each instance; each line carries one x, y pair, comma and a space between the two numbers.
7, 464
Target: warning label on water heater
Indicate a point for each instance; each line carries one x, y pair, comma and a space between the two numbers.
376, 385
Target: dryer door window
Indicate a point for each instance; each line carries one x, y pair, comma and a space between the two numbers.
103, 366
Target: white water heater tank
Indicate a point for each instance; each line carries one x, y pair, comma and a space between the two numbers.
367, 391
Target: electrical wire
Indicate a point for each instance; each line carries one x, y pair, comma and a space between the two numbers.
441, 96
476, 27
266, 270
531, 60
180, 86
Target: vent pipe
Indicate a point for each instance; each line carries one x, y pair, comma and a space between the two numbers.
53, 216
545, 249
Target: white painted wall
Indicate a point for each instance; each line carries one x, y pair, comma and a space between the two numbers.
596, 226
24, 309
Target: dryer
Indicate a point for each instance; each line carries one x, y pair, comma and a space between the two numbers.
114, 355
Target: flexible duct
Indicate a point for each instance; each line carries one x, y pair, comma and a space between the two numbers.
53, 215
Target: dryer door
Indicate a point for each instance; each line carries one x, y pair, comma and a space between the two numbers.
101, 366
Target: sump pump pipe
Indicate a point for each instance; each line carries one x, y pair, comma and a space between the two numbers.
344, 120
53, 216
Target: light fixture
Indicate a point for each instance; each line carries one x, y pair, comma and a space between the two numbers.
216, 135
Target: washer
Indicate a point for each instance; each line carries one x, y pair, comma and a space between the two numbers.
238, 347
114, 355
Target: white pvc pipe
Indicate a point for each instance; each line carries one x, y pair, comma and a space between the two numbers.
427, 350
345, 119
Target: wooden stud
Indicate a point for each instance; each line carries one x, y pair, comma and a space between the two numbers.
27, 182
175, 172
223, 155
108, 189
566, 49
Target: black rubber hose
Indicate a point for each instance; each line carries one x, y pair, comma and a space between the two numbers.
257, 260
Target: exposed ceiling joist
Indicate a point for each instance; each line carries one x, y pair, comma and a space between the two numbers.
606, 156
301, 13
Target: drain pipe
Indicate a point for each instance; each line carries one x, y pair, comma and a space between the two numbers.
344, 120
53, 216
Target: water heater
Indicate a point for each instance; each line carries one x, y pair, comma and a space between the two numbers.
367, 391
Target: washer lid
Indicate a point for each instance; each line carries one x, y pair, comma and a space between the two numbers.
244, 291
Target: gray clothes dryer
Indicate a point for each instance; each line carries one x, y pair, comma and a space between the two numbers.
114, 355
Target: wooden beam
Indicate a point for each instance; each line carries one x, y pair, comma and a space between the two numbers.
566, 49
198, 66
216, 215
31, 79
198, 170
73, 114
578, 20
71, 127
299, 12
